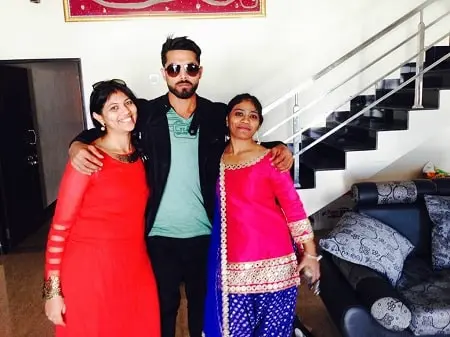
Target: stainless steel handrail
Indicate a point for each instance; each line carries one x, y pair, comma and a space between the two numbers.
320, 98
311, 124
306, 84
370, 106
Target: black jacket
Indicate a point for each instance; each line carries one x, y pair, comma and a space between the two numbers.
154, 141
151, 136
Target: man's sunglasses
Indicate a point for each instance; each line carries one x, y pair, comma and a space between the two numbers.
173, 70
115, 80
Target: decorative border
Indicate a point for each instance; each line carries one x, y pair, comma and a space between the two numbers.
268, 275
223, 251
247, 163
102, 10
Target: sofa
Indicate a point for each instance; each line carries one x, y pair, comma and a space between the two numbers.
386, 265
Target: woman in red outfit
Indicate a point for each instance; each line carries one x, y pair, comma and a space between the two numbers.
98, 278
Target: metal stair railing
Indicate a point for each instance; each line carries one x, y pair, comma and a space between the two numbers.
418, 98
306, 84
297, 110
373, 104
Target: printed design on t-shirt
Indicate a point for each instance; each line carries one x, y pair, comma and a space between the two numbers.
179, 127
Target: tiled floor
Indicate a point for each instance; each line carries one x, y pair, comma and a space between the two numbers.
21, 306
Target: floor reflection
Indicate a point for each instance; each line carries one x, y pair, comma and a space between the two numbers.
21, 305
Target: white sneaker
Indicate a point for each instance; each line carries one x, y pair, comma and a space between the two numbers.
298, 333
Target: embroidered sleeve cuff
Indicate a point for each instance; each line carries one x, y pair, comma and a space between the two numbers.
301, 230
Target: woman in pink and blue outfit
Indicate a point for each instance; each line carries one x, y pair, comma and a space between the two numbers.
260, 223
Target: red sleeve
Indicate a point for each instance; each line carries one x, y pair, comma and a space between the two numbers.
296, 217
70, 196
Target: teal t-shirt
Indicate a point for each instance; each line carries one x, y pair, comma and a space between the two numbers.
181, 213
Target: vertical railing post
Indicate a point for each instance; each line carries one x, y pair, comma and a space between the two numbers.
296, 142
418, 92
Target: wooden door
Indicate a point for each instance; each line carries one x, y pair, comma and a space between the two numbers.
21, 190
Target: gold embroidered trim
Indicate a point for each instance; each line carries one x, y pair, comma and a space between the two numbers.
262, 263
263, 275
301, 230
246, 163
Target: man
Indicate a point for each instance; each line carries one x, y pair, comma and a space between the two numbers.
182, 137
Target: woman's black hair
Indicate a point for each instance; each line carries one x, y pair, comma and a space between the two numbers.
100, 94
246, 97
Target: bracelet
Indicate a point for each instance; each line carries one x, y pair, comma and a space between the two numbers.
51, 287
317, 258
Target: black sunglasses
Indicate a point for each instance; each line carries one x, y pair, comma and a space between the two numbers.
115, 80
173, 70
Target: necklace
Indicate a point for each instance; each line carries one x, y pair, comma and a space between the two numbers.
126, 158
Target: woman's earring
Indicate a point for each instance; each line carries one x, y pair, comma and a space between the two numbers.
103, 128
257, 138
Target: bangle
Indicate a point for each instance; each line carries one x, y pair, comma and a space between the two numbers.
317, 258
51, 287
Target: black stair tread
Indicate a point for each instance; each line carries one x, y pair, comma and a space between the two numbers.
404, 99
307, 177
322, 162
374, 124
341, 143
411, 71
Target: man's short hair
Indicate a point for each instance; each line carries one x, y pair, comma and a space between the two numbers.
179, 43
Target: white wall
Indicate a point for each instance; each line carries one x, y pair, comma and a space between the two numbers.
411, 164
267, 56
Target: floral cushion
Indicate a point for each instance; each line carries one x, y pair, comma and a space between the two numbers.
391, 313
439, 210
427, 295
363, 240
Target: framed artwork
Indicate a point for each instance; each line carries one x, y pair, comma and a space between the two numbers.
94, 10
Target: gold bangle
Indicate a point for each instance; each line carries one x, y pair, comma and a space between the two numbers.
51, 287
314, 257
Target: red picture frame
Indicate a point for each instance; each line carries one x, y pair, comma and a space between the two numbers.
93, 10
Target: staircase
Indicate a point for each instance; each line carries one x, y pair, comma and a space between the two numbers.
372, 141
375, 130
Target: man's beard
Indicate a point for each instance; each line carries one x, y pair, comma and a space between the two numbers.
184, 93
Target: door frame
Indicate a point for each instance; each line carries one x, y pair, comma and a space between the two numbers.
49, 210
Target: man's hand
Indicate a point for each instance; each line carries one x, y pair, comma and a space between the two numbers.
282, 157
85, 158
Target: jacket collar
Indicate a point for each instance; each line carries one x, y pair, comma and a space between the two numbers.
195, 123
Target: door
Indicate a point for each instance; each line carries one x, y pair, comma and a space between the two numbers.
21, 192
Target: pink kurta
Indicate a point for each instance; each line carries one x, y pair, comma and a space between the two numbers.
263, 216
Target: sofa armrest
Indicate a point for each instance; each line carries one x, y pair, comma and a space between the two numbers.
358, 322
350, 308
335, 292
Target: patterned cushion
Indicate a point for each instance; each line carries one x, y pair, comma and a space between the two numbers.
439, 210
427, 294
366, 241
404, 192
391, 192
391, 313
429, 303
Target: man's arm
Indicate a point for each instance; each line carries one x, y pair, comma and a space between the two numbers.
85, 158
282, 157
271, 145
87, 136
